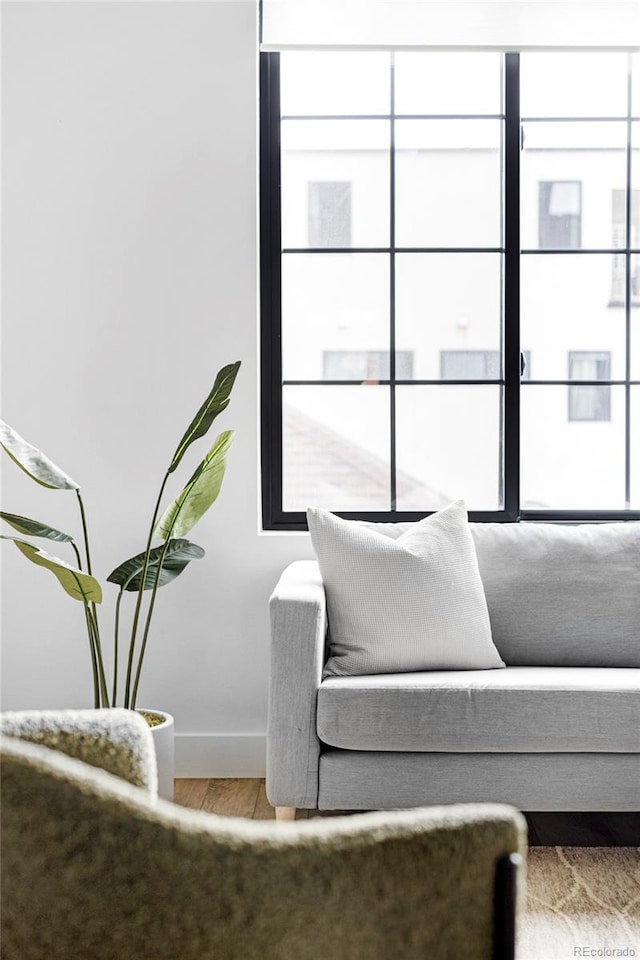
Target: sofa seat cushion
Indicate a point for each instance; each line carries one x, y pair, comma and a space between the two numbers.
516, 710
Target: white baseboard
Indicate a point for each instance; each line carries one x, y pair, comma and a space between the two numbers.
211, 755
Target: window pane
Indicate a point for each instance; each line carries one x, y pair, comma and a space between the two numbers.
569, 173
365, 364
470, 364
589, 402
335, 302
317, 82
635, 318
329, 207
335, 183
573, 84
635, 85
449, 302
635, 181
449, 446
635, 448
619, 279
570, 465
336, 447
448, 176
448, 83
559, 214
565, 306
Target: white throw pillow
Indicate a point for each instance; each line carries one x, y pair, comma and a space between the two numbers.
415, 603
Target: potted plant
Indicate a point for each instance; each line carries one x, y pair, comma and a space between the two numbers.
142, 574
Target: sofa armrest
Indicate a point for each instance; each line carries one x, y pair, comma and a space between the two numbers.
116, 740
298, 634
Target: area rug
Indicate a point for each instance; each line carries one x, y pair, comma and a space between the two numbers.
581, 902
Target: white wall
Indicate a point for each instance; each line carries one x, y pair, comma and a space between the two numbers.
130, 277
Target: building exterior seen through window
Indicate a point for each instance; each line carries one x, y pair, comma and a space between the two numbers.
589, 401
370, 365
618, 223
470, 364
560, 214
329, 213
441, 219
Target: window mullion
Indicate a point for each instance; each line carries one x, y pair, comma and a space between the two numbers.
627, 298
392, 293
512, 141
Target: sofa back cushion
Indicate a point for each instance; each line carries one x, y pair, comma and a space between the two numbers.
560, 595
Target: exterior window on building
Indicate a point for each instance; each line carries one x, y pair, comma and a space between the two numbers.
589, 401
560, 214
365, 364
618, 224
329, 206
470, 364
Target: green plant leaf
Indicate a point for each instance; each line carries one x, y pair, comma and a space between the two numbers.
34, 528
215, 403
77, 584
33, 461
178, 554
200, 492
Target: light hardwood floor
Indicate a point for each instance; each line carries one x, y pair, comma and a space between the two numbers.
234, 798
247, 798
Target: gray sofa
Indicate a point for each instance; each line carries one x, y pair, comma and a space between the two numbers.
558, 729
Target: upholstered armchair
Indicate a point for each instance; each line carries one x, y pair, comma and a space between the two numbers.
96, 868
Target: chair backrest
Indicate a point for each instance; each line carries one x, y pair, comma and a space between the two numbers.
114, 739
93, 868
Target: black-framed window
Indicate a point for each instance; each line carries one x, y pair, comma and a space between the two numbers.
478, 215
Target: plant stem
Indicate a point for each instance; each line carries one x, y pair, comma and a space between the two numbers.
94, 647
115, 648
101, 674
136, 613
77, 553
154, 591
93, 610
84, 531
94, 661
147, 625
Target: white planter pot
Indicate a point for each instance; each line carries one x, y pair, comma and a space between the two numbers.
164, 743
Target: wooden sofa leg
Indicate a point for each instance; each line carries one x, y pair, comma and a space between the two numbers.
285, 813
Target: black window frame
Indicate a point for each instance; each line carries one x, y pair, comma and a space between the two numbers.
273, 516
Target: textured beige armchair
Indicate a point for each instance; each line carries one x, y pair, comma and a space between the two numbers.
95, 868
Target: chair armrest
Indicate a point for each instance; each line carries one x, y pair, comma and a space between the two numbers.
298, 635
116, 740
